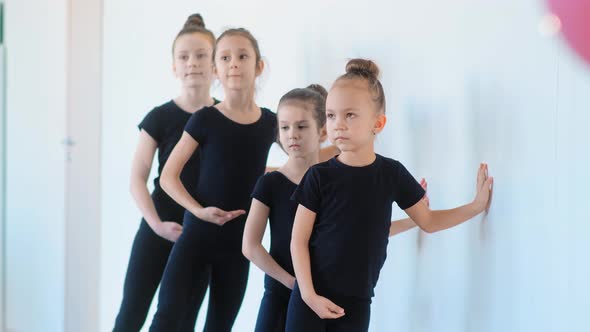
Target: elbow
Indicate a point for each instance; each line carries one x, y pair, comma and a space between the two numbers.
166, 182
428, 226
428, 230
134, 184
247, 250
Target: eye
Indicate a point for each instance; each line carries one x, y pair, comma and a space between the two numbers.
302, 127
201, 56
350, 115
243, 56
330, 115
183, 57
285, 128
224, 58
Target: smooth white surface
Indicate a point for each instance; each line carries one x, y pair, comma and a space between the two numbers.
35, 34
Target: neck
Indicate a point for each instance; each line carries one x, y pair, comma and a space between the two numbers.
239, 100
295, 167
193, 99
358, 158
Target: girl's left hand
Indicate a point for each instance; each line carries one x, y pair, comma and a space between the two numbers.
483, 188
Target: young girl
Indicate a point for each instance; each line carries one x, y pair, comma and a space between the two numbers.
234, 138
162, 217
301, 120
339, 235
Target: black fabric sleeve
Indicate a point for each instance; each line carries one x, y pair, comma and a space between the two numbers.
308, 191
409, 191
197, 125
263, 190
152, 125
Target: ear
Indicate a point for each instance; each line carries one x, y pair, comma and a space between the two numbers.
259, 67
174, 68
323, 134
380, 123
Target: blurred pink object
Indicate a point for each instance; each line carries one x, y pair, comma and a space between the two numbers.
575, 24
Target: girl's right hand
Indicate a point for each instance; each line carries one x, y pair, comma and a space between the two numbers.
291, 283
324, 308
424, 185
218, 216
169, 230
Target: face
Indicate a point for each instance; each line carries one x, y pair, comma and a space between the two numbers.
298, 130
235, 63
192, 60
351, 117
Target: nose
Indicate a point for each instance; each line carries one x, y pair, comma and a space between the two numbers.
193, 62
293, 134
339, 123
233, 63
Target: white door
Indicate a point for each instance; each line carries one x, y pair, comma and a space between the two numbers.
35, 165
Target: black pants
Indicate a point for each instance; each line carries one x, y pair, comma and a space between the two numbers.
149, 255
300, 317
273, 308
195, 254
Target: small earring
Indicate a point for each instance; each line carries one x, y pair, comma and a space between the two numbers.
373, 131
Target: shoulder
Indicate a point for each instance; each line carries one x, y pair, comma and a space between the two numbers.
268, 114
321, 170
388, 164
204, 113
165, 107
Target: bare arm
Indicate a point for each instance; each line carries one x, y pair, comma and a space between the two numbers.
403, 225
434, 221
170, 182
140, 171
302, 228
252, 245
400, 226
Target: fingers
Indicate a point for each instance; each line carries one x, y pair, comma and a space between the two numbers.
220, 217
330, 310
489, 183
334, 308
491, 186
424, 186
482, 175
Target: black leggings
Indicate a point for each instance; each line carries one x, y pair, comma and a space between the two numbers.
300, 317
273, 309
149, 255
193, 256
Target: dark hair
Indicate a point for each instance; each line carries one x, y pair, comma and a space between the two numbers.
313, 96
368, 71
194, 24
243, 33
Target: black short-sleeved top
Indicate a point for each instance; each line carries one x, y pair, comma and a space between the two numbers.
353, 215
233, 157
165, 124
274, 190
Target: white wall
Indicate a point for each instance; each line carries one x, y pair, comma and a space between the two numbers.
35, 163
467, 81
